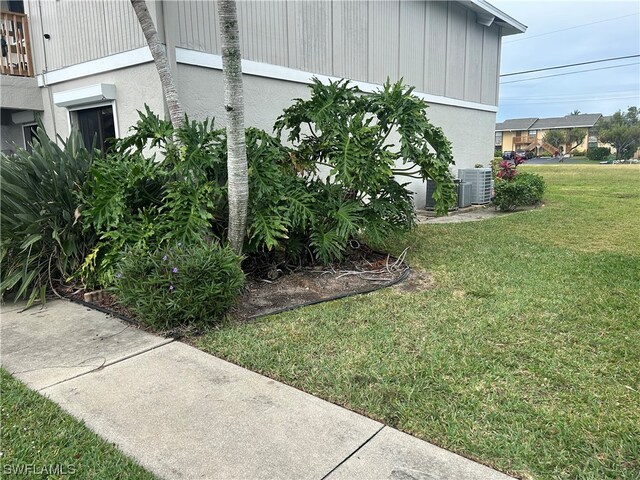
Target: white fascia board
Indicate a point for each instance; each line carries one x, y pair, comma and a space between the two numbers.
512, 25
93, 67
555, 127
85, 95
199, 59
258, 69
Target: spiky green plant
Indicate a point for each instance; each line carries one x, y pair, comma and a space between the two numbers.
43, 243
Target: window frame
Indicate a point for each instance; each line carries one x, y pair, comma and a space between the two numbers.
24, 137
72, 117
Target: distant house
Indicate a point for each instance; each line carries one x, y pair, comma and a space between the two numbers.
87, 64
528, 133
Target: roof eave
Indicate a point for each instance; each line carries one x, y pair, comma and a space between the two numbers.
510, 26
567, 126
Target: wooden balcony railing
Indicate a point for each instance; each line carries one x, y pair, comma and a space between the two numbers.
524, 139
16, 45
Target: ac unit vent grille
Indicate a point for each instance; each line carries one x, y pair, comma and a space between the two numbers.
480, 180
431, 204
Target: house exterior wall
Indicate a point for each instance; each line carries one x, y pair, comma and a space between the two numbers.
19, 93
201, 92
510, 140
439, 47
135, 86
436, 46
81, 30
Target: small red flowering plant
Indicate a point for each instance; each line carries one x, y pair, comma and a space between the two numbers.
507, 171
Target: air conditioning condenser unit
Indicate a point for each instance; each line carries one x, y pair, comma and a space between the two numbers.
480, 179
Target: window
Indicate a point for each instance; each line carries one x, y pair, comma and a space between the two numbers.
533, 133
29, 133
96, 124
15, 6
498, 141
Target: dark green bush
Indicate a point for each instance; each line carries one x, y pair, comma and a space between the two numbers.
578, 153
351, 147
495, 166
524, 189
43, 242
134, 201
181, 285
598, 153
351, 133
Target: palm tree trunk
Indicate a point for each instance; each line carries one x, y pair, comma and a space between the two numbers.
238, 183
162, 63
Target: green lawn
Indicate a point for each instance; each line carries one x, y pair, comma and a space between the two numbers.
524, 355
39, 440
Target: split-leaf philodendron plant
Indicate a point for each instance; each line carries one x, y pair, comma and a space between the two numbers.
328, 174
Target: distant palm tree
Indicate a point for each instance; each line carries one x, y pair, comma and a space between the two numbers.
162, 63
575, 112
238, 183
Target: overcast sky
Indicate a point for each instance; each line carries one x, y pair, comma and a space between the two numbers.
600, 91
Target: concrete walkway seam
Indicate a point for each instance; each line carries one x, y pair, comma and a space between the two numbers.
108, 364
344, 460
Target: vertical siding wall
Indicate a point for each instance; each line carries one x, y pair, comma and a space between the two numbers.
81, 30
436, 46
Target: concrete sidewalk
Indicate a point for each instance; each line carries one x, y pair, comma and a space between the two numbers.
185, 414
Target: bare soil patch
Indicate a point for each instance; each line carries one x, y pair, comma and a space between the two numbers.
270, 290
417, 281
362, 271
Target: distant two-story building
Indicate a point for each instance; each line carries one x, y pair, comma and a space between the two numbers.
528, 133
86, 64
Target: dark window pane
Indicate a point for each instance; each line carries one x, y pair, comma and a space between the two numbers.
108, 128
88, 125
96, 125
29, 135
16, 6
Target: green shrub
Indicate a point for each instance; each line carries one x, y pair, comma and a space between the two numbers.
347, 132
524, 189
182, 285
43, 242
578, 153
134, 201
598, 154
495, 166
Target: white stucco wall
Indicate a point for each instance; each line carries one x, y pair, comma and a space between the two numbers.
471, 134
20, 93
201, 90
135, 87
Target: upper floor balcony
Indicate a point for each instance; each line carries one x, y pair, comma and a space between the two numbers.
16, 57
524, 139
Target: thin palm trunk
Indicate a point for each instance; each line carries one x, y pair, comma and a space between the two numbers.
238, 183
162, 63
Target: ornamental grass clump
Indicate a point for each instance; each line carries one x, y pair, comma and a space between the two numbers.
178, 286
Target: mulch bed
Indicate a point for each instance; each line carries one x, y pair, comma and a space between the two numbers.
364, 270
270, 289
